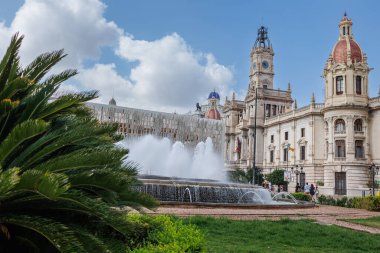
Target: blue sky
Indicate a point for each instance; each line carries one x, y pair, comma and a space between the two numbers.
128, 51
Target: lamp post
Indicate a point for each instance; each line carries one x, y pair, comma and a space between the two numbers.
254, 141
297, 172
373, 170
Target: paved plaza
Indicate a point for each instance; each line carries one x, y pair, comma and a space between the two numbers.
327, 215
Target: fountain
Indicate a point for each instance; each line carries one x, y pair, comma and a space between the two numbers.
173, 174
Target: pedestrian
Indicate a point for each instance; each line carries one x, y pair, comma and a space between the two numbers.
316, 193
298, 187
307, 188
312, 192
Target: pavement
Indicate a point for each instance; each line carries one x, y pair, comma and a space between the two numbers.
323, 214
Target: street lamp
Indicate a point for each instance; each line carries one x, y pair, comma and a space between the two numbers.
373, 170
297, 172
254, 140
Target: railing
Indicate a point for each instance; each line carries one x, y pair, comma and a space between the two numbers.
340, 131
339, 159
375, 99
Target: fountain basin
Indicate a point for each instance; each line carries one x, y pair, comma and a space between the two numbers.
210, 193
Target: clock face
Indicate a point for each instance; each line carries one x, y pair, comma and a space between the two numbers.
265, 64
254, 65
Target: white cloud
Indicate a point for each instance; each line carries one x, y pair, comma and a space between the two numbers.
77, 26
168, 75
103, 77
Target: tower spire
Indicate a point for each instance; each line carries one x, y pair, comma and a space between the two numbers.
262, 39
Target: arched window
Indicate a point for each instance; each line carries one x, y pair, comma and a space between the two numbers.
358, 85
340, 126
339, 85
358, 125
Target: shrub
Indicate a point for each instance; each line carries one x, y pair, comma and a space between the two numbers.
342, 202
320, 183
166, 234
301, 196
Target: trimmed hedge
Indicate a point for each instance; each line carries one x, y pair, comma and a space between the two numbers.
371, 203
301, 196
167, 234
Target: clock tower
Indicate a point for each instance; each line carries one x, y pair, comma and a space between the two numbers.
262, 72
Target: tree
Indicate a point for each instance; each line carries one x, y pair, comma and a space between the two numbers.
61, 174
276, 177
245, 176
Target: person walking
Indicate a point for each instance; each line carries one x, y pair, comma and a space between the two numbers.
316, 194
298, 187
312, 192
307, 188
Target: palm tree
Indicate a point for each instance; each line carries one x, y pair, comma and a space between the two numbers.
60, 172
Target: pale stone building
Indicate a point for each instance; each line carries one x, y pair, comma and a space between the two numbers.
333, 142
134, 123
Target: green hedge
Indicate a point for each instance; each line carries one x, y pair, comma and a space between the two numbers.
301, 196
371, 203
167, 234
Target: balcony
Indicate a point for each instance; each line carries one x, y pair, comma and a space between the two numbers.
339, 159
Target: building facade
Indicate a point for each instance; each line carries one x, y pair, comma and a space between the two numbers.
134, 123
333, 142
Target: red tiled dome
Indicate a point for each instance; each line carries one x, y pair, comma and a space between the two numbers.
341, 49
213, 114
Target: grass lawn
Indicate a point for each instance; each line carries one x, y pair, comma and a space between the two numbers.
371, 222
224, 235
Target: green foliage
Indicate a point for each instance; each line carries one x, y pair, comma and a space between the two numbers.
60, 173
288, 236
166, 234
320, 183
301, 196
371, 203
245, 176
276, 177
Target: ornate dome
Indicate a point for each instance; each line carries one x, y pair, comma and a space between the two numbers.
346, 47
213, 113
112, 101
214, 94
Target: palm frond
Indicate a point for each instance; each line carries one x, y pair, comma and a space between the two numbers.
13, 87
37, 69
8, 180
56, 233
8, 60
51, 185
20, 134
64, 103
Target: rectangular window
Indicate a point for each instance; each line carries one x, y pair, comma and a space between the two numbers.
274, 110
302, 132
286, 136
271, 156
359, 149
358, 85
302, 153
272, 138
340, 148
285, 154
339, 85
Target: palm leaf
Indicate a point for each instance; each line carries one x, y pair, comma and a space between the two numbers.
59, 235
51, 185
9, 59
13, 87
42, 64
20, 134
8, 180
